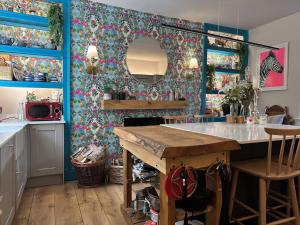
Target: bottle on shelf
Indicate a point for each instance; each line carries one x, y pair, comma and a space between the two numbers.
21, 111
171, 95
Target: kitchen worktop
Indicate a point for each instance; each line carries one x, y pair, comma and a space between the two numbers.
9, 128
242, 133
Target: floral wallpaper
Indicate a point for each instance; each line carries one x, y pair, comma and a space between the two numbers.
111, 29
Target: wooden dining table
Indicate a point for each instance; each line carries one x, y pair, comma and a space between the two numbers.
198, 145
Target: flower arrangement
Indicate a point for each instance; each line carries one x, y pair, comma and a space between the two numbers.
241, 94
246, 92
232, 94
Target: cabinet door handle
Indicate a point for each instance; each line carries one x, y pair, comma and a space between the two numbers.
1, 197
18, 172
11, 146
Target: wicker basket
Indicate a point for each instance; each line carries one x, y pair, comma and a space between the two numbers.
116, 174
90, 175
6, 73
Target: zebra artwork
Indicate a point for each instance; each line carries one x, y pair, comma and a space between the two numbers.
267, 65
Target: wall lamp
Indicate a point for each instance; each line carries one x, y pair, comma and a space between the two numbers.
92, 55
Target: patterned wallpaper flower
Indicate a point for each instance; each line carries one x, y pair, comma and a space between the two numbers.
112, 29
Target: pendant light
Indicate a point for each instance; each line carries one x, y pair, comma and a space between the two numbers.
220, 36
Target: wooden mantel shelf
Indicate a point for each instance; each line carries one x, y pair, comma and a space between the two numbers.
137, 104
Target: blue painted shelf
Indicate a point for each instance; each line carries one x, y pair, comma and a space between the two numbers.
23, 84
31, 52
23, 20
221, 50
215, 92
224, 70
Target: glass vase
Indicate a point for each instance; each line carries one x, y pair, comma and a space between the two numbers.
234, 109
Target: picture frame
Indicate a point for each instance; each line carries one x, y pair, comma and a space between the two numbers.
272, 68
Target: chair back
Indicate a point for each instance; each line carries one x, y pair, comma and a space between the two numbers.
292, 162
175, 119
205, 118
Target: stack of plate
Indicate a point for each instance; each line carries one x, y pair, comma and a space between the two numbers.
53, 79
28, 77
39, 77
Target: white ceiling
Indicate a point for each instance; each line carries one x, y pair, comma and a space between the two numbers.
253, 13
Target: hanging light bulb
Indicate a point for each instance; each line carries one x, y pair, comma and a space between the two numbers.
193, 63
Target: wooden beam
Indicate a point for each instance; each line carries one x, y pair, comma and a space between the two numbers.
136, 104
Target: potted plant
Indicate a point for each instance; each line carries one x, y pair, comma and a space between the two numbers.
107, 92
232, 96
241, 51
55, 16
210, 77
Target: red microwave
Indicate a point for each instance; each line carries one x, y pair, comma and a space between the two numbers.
43, 111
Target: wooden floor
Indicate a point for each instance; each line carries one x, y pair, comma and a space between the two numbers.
68, 205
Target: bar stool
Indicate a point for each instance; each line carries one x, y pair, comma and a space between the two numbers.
270, 170
204, 118
175, 119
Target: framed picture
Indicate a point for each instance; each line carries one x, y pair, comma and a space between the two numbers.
273, 68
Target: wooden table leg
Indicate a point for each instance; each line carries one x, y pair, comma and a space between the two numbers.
213, 217
167, 206
127, 162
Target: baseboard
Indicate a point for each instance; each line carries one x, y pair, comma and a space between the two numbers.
45, 181
70, 174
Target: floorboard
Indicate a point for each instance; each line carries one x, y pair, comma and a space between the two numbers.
23, 214
69, 205
91, 209
42, 209
67, 211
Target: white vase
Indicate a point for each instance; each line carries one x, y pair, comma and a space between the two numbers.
107, 96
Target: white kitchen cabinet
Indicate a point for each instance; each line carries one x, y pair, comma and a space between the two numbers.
46, 149
7, 182
21, 163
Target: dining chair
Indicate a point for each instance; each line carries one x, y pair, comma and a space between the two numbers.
268, 170
175, 119
204, 118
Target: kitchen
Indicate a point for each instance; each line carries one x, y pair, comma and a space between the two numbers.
105, 94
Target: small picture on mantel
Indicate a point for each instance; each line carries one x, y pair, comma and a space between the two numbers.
273, 68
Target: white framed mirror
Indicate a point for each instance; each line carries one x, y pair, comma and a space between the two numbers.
146, 60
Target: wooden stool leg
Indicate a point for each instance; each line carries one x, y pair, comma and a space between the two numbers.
295, 206
127, 178
213, 217
298, 183
262, 202
235, 178
288, 208
167, 206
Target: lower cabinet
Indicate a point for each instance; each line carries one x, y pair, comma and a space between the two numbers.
7, 182
35, 152
46, 150
21, 163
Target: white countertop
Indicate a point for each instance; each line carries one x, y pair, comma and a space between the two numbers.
242, 133
9, 128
